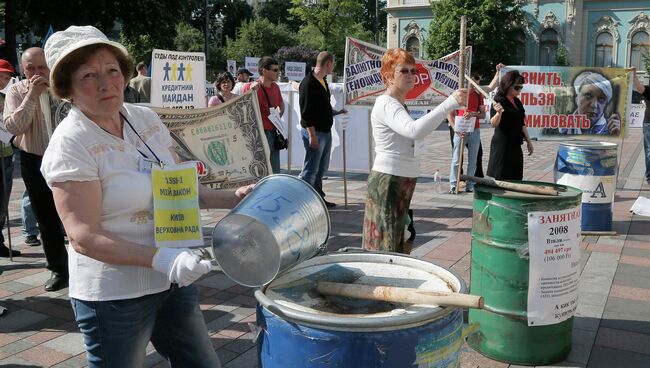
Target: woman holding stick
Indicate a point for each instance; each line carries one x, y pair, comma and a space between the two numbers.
395, 170
507, 117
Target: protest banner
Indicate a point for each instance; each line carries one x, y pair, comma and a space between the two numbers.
563, 101
295, 71
227, 140
178, 79
636, 114
232, 67
435, 81
250, 63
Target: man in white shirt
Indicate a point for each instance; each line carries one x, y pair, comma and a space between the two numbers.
243, 77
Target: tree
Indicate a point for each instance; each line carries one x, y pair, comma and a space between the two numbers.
562, 57
188, 38
277, 11
258, 37
489, 31
297, 53
326, 23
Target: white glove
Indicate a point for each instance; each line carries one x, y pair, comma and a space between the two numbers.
181, 266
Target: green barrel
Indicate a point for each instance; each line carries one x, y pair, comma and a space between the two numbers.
499, 273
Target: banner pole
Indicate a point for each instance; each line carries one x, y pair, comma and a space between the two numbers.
345, 172
461, 84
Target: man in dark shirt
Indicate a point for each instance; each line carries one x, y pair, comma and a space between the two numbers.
645, 91
316, 121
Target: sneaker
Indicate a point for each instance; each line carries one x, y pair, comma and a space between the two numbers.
329, 204
32, 240
469, 190
4, 251
452, 190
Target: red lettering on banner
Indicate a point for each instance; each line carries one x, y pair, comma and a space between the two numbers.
542, 78
557, 121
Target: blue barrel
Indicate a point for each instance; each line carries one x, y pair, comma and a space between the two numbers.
301, 328
590, 167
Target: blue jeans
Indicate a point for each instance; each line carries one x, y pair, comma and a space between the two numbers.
273, 153
116, 332
317, 161
5, 191
646, 147
30, 225
473, 141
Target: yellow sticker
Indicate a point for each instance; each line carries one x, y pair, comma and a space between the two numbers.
177, 216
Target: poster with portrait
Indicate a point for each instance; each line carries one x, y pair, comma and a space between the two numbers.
227, 141
434, 82
582, 101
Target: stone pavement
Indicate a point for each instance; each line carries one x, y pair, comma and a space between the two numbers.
612, 326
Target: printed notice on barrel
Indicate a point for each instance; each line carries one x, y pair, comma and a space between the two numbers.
554, 273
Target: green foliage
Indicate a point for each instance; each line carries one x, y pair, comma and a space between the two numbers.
188, 38
489, 26
562, 57
277, 11
326, 23
138, 47
258, 37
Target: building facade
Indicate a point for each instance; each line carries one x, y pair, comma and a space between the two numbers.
593, 33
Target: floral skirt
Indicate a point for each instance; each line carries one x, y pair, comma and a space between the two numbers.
387, 205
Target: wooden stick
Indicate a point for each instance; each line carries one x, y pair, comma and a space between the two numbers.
599, 233
400, 295
479, 89
345, 173
517, 187
460, 161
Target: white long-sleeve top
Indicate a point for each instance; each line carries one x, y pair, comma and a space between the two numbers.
395, 132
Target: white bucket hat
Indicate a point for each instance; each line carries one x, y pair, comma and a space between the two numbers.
63, 43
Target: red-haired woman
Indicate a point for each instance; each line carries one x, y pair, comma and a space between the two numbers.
507, 117
395, 170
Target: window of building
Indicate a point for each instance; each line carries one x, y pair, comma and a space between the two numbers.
548, 45
413, 46
640, 46
604, 48
520, 37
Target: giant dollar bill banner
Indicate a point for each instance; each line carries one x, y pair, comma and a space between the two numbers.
178, 79
228, 141
435, 81
562, 101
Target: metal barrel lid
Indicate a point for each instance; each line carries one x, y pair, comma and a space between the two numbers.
564, 191
589, 144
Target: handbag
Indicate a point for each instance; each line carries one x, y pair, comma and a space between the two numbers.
279, 141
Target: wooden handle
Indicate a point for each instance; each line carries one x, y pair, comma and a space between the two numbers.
517, 187
400, 295
479, 89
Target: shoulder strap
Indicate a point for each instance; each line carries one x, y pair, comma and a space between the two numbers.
266, 95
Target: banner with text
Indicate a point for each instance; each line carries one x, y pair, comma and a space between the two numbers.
250, 63
435, 81
228, 141
295, 71
178, 79
554, 268
232, 67
575, 100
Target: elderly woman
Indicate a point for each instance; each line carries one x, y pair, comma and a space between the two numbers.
507, 118
124, 291
223, 84
593, 93
395, 170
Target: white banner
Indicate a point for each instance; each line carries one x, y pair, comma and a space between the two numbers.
178, 79
251, 64
232, 67
295, 71
637, 112
554, 269
595, 189
434, 82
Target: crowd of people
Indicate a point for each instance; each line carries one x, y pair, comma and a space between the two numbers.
89, 174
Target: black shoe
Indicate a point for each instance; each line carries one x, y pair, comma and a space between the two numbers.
32, 240
329, 204
452, 190
4, 251
469, 190
56, 282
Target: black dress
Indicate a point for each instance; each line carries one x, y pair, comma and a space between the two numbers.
506, 158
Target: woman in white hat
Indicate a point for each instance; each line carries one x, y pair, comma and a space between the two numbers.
124, 291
